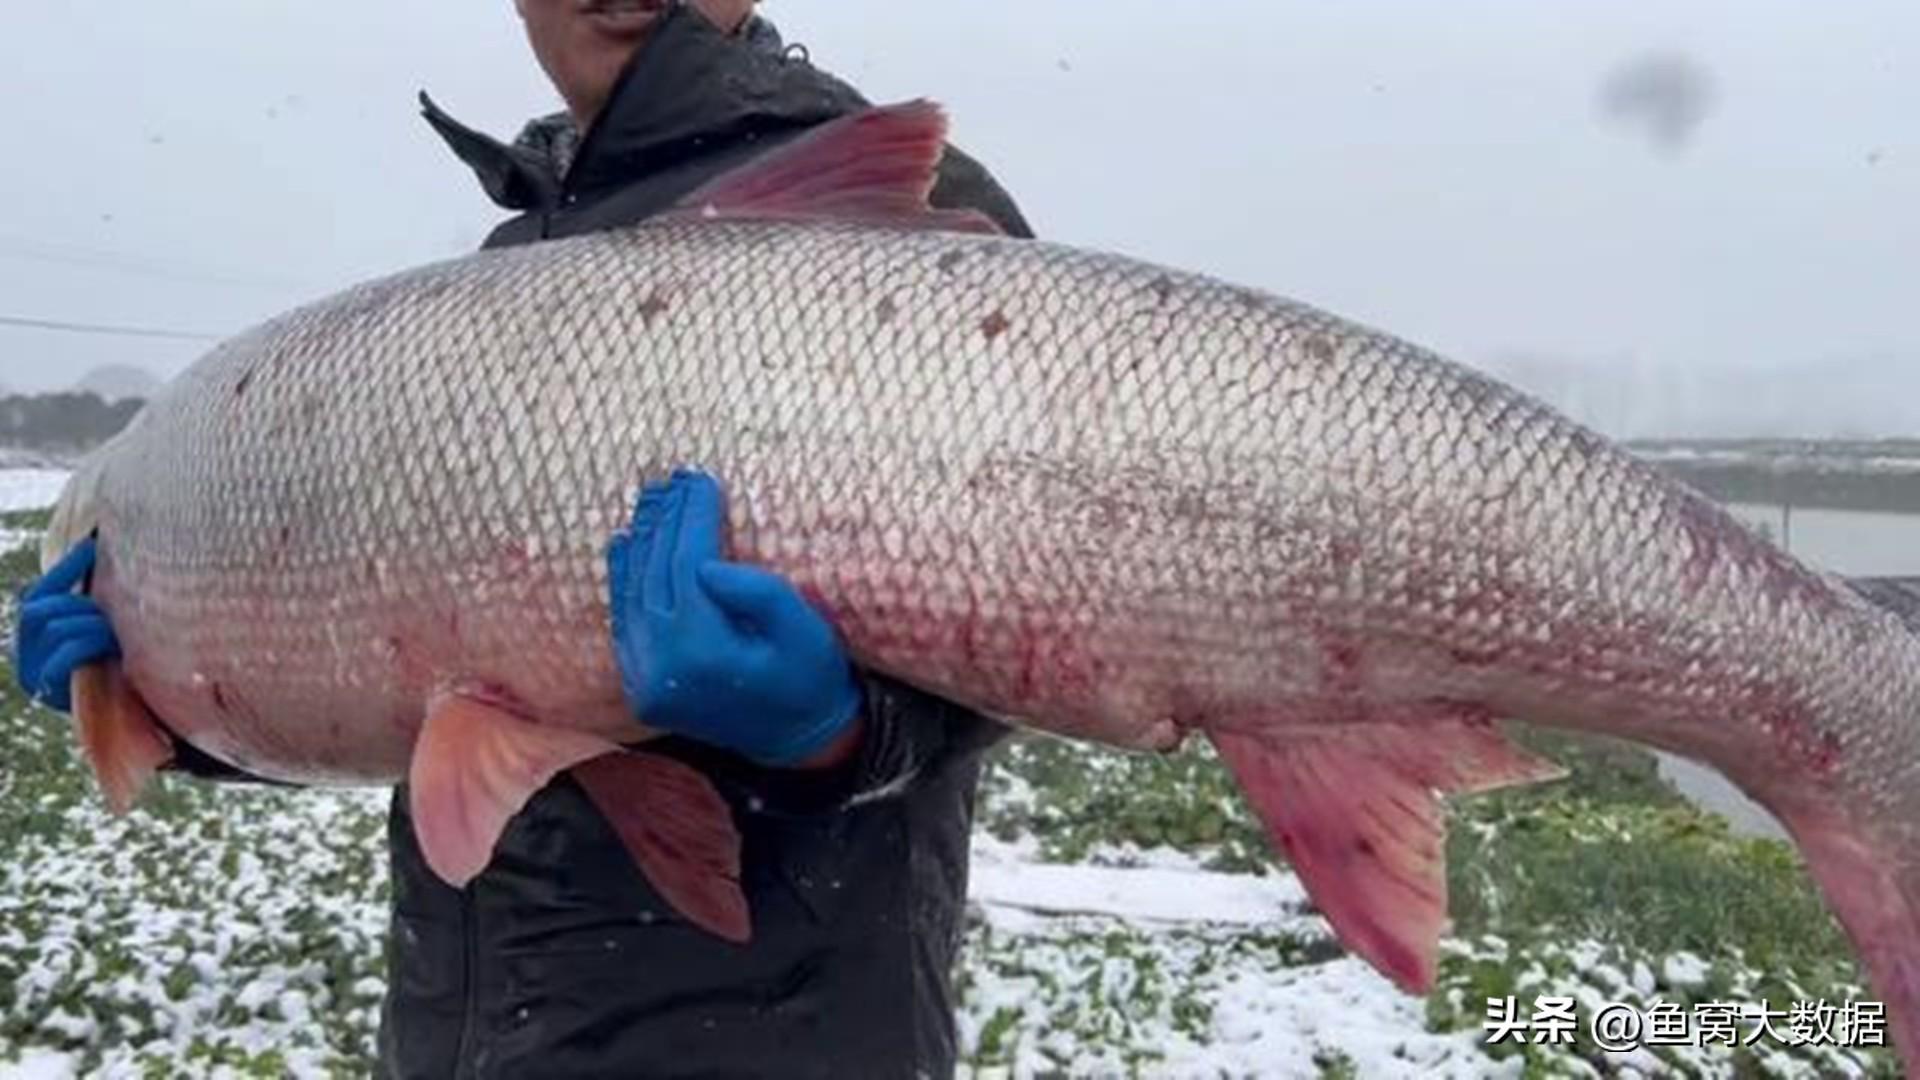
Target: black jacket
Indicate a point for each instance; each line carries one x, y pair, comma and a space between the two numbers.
560, 960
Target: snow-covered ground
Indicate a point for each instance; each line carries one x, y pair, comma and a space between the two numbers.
1081, 970
1006, 878
1221, 967
30, 489
42, 1065
26, 489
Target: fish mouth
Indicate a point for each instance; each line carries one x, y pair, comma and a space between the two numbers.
623, 17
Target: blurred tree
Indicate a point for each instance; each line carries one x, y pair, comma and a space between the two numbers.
62, 423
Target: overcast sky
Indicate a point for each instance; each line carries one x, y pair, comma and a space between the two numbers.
1451, 172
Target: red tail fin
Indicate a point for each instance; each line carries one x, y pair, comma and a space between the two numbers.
1874, 889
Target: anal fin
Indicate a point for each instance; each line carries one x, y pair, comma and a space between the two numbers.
475, 765
680, 833
1356, 810
121, 740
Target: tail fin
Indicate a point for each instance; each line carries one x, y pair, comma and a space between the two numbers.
1874, 887
1871, 879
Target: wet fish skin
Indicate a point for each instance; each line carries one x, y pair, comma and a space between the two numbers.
1099, 496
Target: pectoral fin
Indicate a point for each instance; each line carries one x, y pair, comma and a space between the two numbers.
1356, 810
679, 831
122, 742
475, 765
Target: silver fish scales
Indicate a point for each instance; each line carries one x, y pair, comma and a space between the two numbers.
1095, 495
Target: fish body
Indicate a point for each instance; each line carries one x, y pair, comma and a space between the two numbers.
1093, 495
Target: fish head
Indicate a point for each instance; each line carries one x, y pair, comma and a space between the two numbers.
76, 515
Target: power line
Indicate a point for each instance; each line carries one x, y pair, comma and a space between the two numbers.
105, 329
15, 246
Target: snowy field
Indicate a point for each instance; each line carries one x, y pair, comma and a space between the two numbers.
1125, 920
26, 489
30, 489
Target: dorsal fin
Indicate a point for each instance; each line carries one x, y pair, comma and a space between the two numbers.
876, 166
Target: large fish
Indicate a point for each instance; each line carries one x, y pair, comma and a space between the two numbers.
365, 541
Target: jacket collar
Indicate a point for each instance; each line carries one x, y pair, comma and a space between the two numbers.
688, 85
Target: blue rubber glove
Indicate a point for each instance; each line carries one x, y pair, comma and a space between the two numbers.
60, 631
719, 652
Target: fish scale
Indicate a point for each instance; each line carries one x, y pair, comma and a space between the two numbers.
1095, 495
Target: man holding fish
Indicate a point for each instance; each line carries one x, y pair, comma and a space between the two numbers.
852, 793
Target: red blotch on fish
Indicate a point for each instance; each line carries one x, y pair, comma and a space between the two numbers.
1344, 659
1479, 658
1801, 740
514, 559
1715, 540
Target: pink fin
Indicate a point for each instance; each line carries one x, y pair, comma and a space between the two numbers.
1357, 813
876, 166
122, 742
679, 831
474, 766
1874, 889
